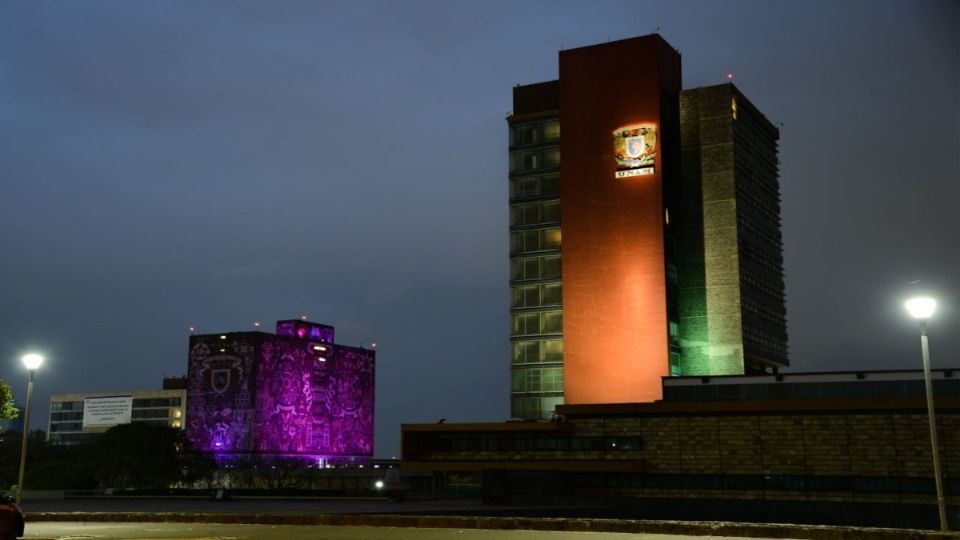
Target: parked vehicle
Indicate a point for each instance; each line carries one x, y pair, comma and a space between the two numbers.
11, 519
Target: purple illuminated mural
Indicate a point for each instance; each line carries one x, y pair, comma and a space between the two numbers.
258, 393
305, 330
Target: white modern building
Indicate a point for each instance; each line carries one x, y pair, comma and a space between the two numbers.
78, 418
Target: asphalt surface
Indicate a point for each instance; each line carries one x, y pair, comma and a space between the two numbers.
265, 505
197, 531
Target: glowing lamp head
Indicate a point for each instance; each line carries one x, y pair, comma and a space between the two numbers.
32, 361
379, 484
921, 308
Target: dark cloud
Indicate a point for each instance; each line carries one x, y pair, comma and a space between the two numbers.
169, 164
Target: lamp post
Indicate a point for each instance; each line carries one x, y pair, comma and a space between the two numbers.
31, 362
922, 308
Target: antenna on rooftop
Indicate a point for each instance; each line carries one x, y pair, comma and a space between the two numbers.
656, 30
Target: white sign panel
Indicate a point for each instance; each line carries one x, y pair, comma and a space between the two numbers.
107, 411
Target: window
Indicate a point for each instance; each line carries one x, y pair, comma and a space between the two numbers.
532, 408
534, 240
535, 213
552, 322
536, 351
545, 267
533, 133
550, 157
536, 295
535, 186
546, 322
548, 379
551, 130
533, 159
674, 364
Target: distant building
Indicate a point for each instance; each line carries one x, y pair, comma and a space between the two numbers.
293, 394
81, 417
644, 231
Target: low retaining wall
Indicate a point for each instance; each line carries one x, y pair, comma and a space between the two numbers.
692, 528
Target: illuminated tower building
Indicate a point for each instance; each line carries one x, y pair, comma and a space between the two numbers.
732, 312
610, 291
293, 395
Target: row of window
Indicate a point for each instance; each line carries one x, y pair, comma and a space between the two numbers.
534, 408
537, 323
528, 444
66, 426
537, 351
535, 213
137, 404
535, 186
535, 159
535, 133
735, 482
154, 413
543, 267
536, 295
536, 380
535, 240
156, 402
160, 417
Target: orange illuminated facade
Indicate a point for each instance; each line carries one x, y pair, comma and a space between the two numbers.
615, 326
624, 266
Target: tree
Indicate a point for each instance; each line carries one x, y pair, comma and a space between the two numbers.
141, 455
7, 409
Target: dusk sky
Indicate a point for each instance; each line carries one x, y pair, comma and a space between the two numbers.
166, 164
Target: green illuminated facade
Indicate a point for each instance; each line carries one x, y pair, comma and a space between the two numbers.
732, 312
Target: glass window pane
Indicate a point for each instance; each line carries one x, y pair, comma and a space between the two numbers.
552, 322
551, 212
531, 214
532, 268
516, 297
531, 296
551, 157
550, 185
551, 294
516, 268
518, 352
516, 242
551, 266
551, 238
551, 130
531, 240
553, 350
531, 350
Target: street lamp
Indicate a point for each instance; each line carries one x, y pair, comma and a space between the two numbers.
31, 362
922, 308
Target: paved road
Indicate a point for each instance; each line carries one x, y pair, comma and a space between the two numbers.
268, 505
195, 531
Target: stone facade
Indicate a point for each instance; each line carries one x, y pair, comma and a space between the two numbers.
814, 451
